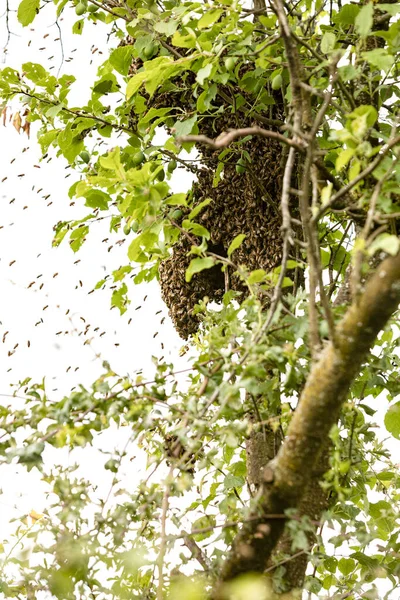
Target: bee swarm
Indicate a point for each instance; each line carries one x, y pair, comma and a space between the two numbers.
245, 202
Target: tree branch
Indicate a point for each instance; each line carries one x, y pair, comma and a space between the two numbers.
369, 169
226, 138
327, 387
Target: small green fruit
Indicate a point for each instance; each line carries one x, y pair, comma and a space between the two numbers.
172, 166
92, 8
80, 9
127, 229
241, 165
161, 175
85, 156
150, 50
138, 158
276, 83
135, 227
176, 215
230, 63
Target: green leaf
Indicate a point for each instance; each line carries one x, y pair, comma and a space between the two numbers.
47, 139
204, 73
196, 229
119, 299
342, 159
202, 523
256, 276
330, 564
120, 273
135, 83
155, 73
379, 58
177, 199
380, 509
348, 14
392, 420
367, 111
77, 237
233, 481
209, 18
364, 560
185, 127
154, 69
197, 265
346, 566
206, 97
364, 20
53, 111
239, 469
112, 162
392, 9
184, 41
144, 242
348, 72
106, 85
77, 27
197, 209
328, 42
121, 59
97, 199
236, 242
167, 28
35, 72
386, 242
27, 11
70, 144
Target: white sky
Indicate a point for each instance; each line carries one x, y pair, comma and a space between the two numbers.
26, 237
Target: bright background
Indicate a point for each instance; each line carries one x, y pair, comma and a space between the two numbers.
34, 197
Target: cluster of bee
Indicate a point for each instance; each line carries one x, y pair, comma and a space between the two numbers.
245, 201
176, 453
238, 206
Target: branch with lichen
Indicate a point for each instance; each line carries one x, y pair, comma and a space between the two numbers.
327, 387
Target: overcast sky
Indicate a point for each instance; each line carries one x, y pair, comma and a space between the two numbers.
33, 275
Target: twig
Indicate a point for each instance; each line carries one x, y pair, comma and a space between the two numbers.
170, 48
116, 126
355, 277
310, 233
196, 551
61, 46
345, 189
230, 136
5, 47
103, 7
284, 561
163, 535
231, 524
317, 259
321, 59
286, 191
294, 64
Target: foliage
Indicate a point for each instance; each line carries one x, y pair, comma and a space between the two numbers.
253, 353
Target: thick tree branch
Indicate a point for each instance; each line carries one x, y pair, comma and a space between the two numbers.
226, 138
327, 387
